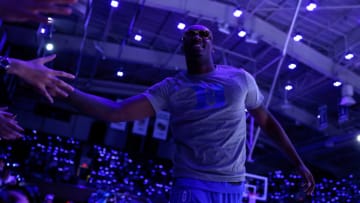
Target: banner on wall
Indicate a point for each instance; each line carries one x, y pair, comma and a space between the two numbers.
161, 125
140, 126
118, 125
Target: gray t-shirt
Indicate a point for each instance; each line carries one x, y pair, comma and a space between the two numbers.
208, 121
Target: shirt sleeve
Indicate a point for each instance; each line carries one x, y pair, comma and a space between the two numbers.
158, 95
254, 98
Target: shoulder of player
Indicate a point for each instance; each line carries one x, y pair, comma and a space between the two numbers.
232, 69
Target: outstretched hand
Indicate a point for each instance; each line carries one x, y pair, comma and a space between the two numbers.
309, 184
32, 10
9, 128
44, 79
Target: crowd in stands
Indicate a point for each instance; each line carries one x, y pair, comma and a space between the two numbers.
118, 175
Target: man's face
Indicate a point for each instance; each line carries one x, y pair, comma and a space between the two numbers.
197, 41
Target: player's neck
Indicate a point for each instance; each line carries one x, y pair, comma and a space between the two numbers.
199, 66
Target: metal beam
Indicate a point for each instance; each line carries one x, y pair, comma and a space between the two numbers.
352, 40
215, 11
110, 50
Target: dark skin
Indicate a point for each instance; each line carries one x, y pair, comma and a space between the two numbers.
33, 10
45, 80
198, 48
34, 72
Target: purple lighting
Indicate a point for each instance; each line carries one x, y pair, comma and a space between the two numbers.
337, 83
289, 87
349, 56
242, 33
138, 37
311, 6
114, 3
292, 66
120, 73
237, 13
298, 37
181, 26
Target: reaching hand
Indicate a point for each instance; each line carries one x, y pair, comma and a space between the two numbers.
44, 79
309, 185
9, 129
31, 10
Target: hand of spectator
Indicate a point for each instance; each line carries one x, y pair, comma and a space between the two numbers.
309, 184
9, 128
44, 79
32, 10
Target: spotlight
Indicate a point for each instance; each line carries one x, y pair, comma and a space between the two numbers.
358, 138
45, 30
289, 87
50, 20
181, 26
120, 73
242, 33
237, 13
292, 66
311, 6
42, 30
138, 37
337, 83
49, 46
349, 56
114, 3
298, 37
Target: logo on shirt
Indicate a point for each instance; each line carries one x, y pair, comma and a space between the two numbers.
209, 97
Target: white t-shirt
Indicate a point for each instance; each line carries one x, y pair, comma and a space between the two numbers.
208, 121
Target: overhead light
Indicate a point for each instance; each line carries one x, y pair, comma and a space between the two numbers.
289, 87
237, 13
337, 83
114, 3
181, 26
120, 73
138, 37
349, 56
311, 6
49, 46
292, 66
50, 20
297, 37
358, 138
42, 30
45, 30
242, 33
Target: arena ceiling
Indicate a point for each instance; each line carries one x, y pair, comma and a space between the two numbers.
98, 40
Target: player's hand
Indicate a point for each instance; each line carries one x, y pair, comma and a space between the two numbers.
309, 185
9, 128
44, 79
33, 10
